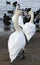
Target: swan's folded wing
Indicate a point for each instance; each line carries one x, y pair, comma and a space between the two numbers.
29, 30
20, 21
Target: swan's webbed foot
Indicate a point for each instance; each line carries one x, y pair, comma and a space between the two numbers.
23, 57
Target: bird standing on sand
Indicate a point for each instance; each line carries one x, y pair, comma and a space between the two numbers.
29, 28
16, 41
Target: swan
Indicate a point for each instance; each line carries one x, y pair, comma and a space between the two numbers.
16, 41
29, 28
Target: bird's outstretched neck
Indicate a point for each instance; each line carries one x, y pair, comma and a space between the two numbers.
16, 24
32, 16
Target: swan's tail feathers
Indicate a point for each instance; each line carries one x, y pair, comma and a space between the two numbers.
13, 54
12, 57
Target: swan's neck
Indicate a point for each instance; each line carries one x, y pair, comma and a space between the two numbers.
16, 24
32, 17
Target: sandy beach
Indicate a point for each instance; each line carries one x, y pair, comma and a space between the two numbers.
32, 51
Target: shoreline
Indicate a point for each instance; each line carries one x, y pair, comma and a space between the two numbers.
6, 32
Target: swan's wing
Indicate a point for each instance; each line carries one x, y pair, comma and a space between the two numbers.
13, 18
20, 21
29, 30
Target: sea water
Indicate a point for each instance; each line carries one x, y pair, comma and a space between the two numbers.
34, 4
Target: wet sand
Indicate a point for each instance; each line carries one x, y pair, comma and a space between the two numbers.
32, 51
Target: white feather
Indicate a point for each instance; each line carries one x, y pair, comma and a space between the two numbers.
16, 41
29, 28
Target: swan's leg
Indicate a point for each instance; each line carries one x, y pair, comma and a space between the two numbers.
23, 56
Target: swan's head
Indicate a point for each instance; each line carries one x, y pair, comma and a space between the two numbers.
29, 11
17, 6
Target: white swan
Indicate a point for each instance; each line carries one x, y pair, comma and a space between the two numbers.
16, 40
29, 28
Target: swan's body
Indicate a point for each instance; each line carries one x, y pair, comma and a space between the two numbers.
16, 40
29, 30
29, 27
